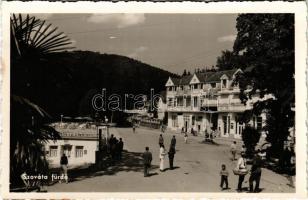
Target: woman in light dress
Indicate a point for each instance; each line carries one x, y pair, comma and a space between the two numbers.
241, 166
162, 154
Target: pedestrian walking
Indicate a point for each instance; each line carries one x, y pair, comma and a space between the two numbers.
192, 131
242, 169
134, 128
64, 164
160, 140
162, 128
171, 156
224, 177
162, 155
255, 172
173, 141
182, 130
233, 150
185, 138
111, 140
147, 159
120, 148
113, 149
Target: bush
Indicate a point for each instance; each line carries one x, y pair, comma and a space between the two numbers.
250, 137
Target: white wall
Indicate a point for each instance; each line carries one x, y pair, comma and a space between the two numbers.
88, 157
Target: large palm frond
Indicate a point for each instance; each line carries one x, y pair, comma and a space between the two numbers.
30, 35
29, 133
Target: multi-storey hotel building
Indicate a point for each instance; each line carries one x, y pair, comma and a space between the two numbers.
205, 101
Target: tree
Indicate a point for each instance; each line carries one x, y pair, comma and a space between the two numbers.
34, 49
250, 138
28, 134
32, 46
228, 60
265, 47
184, 73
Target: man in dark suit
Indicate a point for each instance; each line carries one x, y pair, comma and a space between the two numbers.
173, 141
255, 172
171, 156
120, 146
147, 159
64, 163
160, 140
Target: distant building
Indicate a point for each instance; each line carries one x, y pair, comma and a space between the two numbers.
205, 101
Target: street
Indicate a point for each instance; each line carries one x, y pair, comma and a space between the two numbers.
197, 167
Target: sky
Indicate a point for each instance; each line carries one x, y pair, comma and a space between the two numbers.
173, 42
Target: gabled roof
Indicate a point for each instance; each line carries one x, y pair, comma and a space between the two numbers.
230, 73
215, 77
185, 80
175, 80
205, 77
172, 81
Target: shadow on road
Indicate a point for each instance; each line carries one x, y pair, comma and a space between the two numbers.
152, 174
131, 162
174, 168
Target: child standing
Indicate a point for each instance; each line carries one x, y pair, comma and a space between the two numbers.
185, 138
224, 176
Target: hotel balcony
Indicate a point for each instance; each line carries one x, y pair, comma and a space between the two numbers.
229, 90
183, 92
233, 106
210, 103
212, 91
170, 93
183, 109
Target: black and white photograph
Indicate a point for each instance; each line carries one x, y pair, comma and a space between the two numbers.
153, 102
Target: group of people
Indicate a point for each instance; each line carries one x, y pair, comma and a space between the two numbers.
241, 170
115, 147
163, 153
147, 155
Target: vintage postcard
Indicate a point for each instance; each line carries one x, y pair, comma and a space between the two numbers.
151, 100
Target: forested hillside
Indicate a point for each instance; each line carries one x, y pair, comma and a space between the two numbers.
68, 85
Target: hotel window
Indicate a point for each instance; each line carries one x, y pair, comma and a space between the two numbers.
188, 101
170, 88
79, 151
180, 101
224, 83
195, 101
53, 151
170, 101
193, 120
195, 86
213, 85
174, 121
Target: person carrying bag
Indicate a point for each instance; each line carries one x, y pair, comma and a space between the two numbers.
241, 171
